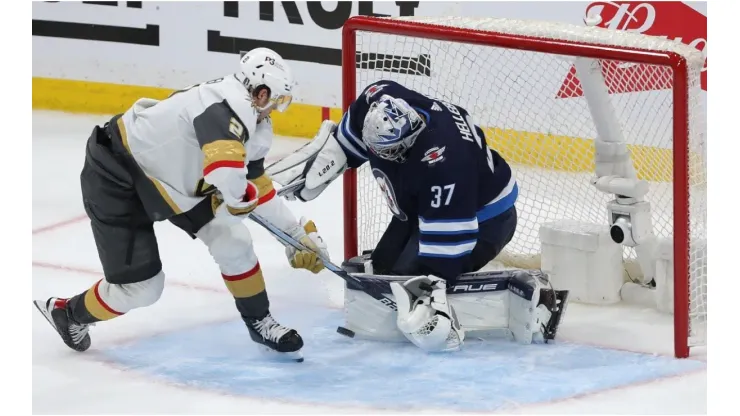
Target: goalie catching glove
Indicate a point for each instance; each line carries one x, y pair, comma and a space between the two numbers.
305, 173
425, 317
310, 238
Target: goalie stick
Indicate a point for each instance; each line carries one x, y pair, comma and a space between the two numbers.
375, 291
287, 188
555, 300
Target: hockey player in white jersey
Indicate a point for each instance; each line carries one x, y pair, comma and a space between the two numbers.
183, 159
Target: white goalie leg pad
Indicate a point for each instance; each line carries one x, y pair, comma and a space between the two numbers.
425, 317
311, 168
481, 310
527, 320
369, 319
481, 307
364, 315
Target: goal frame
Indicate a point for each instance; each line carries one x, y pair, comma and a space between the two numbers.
680, 97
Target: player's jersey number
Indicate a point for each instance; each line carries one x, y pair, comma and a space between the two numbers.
442, 195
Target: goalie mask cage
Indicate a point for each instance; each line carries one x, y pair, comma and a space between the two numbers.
519, 82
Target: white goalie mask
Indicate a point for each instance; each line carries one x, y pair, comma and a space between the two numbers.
391, 127
264, 67
425, 317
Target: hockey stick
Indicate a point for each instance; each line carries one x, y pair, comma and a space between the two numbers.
287, 188
372, 290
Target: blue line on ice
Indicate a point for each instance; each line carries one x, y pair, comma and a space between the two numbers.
486, 375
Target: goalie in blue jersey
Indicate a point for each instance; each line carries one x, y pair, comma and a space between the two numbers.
452, 197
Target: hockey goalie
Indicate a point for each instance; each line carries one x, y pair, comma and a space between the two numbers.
453, 203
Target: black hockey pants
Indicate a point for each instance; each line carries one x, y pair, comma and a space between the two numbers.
397, 252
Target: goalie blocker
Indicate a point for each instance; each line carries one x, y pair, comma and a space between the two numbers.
521, 304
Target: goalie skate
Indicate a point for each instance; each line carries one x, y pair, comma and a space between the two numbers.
556, 302
73, 334
275, 340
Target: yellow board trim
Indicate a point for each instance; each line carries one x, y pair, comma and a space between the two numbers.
577, 155
573, 154
87, 97
554, 152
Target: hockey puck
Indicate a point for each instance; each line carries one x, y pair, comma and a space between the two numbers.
346, 332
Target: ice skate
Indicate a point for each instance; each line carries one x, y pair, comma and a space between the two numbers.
74, 334
275, 338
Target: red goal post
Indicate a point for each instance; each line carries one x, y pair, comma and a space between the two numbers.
376, 48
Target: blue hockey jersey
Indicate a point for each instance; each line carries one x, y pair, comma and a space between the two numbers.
449, 183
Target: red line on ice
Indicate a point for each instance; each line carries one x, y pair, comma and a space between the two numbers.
83, 270
55, 226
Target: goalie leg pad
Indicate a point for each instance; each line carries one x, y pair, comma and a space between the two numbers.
535, 309
362, 264
424, 315
368, 319
515, 303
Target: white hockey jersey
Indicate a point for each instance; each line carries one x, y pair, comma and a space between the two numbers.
199, 140
180, 140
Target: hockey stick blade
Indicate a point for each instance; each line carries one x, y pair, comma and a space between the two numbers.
371, 290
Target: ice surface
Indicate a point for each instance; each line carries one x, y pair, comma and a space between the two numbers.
189, 354
487, 375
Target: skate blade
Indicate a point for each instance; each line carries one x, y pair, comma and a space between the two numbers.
41, 306
296, 356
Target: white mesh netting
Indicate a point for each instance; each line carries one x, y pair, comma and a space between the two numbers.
533, 112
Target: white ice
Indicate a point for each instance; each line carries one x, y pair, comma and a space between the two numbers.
65, 263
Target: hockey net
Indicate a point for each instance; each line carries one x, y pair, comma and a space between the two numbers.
518, 80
